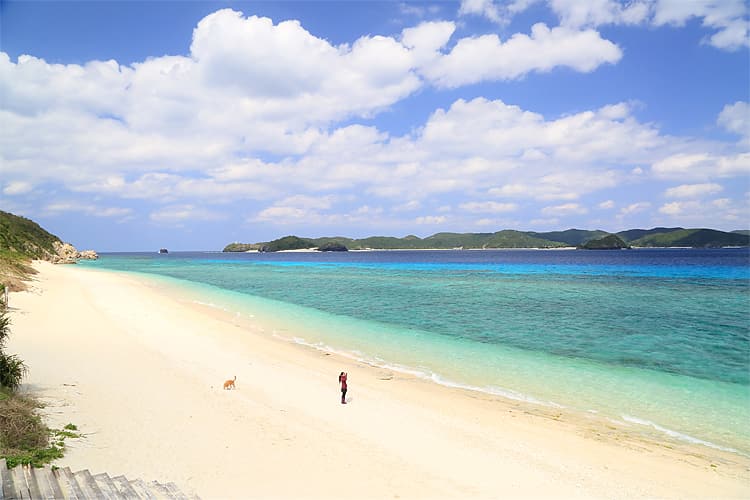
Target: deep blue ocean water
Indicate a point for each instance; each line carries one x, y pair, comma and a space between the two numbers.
655, 338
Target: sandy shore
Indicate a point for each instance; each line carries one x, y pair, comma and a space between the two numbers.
140, 372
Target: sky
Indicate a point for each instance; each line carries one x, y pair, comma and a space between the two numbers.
131, 126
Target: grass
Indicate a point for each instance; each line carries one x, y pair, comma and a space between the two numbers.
24, 438
15, 268
12, 368
25, 236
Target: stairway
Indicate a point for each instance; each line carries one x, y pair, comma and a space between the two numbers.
27, 483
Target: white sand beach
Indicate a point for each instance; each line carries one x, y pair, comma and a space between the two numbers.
140, 372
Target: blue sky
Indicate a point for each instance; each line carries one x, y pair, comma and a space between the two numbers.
139, 125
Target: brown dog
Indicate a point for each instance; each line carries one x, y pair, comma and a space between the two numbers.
229, 384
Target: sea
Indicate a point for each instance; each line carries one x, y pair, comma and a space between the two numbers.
657, 340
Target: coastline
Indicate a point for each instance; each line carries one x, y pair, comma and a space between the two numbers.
315, 250
140, 372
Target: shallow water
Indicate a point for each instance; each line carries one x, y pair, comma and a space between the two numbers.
656, 338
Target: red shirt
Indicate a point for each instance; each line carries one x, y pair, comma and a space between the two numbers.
342, 379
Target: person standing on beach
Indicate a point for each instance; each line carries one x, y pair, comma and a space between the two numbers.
342, 381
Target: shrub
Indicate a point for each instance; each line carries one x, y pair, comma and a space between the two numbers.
24, 439
12, 371
12, 368
21, 428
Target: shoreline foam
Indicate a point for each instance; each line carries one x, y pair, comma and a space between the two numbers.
504, 393
146, 370
652, 428
658, 428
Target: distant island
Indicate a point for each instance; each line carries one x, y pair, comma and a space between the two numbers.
609, 242
658, 237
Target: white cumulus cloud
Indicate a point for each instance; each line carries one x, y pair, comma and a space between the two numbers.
697, 213
431, 219
598, 12
564, 209
487, 58
488, 207
736, 118
175, 214
702, 166
726, 19
635, 208
693, 190
17, 187
729, 19
61, 207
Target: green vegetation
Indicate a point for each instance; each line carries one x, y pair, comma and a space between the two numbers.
634, 234
241, 247
656, 237
573, 237
288, 243
22, 236
20, 241
24, 438
500, 239
517, 239
383, 242
14, 270
698, 238
609, 242
332, 246
12, 368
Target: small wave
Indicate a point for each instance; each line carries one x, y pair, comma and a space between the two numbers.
677, 435
423, 374
211, 304
495, 391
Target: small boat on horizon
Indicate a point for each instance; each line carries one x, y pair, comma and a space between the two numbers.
163, 250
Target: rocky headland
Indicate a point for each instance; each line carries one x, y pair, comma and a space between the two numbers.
23, 240
65, 253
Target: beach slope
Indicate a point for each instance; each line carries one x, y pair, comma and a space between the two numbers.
140, 370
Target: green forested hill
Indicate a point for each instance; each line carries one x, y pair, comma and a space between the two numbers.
572, 237
634, 234
608, 242
518, 239
700, 238
656, 237
20, 241
25, 237
287, 243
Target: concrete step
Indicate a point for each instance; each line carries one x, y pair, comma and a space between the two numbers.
140, 486
31, 481
175, 492
19, 488
106, 486
68, 484
49, 488
124, 488
46, 483
160, 491
6, 481
87, 484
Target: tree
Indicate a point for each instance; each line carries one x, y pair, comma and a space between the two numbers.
12, 368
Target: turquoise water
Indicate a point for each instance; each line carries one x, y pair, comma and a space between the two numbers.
656, 338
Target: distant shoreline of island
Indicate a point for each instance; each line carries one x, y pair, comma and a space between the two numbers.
658, 237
